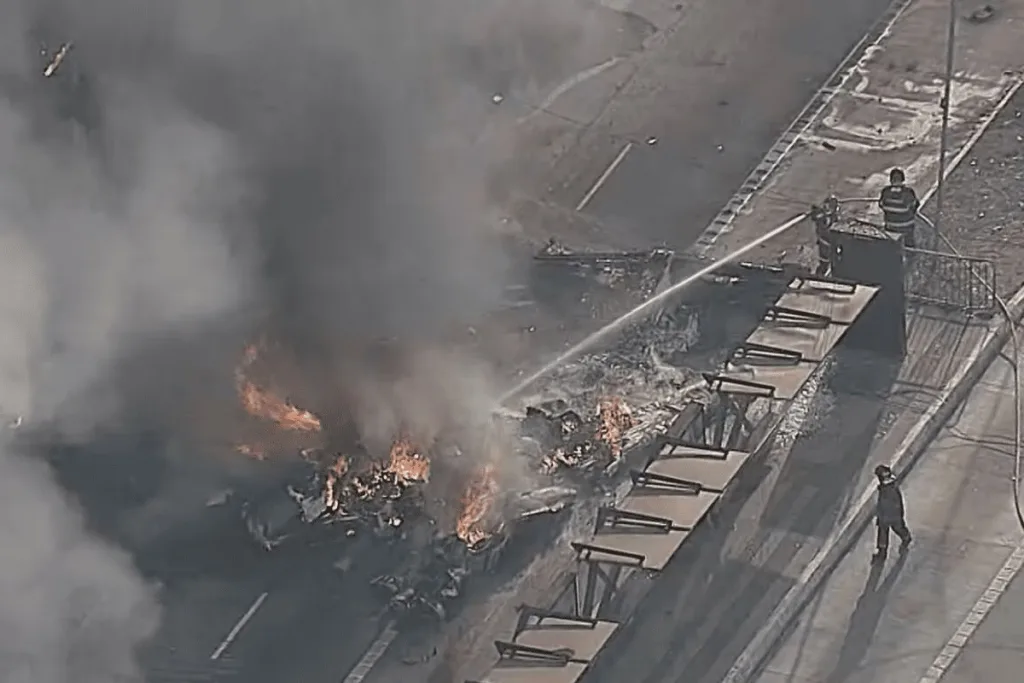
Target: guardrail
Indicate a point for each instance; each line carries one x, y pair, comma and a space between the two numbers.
951, 281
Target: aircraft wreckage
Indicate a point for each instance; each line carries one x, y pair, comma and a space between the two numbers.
452, 530
448, 506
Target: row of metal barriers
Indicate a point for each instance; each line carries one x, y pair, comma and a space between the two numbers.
676, 482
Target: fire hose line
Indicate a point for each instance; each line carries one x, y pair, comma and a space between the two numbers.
647, 308
1004, 310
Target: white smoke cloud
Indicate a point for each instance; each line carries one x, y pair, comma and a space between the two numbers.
97, 253
71, 606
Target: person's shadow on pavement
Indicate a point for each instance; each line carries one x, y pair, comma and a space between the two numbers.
860, 631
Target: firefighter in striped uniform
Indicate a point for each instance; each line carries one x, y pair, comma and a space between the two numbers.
899, 204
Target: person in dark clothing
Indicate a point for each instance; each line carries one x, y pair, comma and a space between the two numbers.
823, 217
899, 204
889, 512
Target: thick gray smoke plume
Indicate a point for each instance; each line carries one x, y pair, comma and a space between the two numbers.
356, 129
315, 166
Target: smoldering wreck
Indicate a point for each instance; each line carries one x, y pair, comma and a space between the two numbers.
450, 507
445, 501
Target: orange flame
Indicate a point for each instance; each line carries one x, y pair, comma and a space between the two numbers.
265, 404
336, 471
476, 504
615, 420
406, 463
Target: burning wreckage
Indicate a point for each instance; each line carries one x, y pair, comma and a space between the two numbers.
453, 527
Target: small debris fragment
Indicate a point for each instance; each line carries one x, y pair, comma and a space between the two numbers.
982, 14
219, 498
497, 98
652, 140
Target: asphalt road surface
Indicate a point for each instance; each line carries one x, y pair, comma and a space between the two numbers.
715, 89
266, 617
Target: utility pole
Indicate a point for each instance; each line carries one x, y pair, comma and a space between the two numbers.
947, 88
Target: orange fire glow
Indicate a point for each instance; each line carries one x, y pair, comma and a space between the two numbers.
265, 404
406, 463
336, 471
477, 502
615, 420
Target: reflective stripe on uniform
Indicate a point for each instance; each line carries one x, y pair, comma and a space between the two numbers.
899, 205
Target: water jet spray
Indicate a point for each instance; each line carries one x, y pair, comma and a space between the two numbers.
646, 308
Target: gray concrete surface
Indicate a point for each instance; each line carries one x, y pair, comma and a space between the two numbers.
994, 652
968, 185
704, 611
871, 624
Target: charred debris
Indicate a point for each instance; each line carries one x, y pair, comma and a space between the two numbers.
331, 498
62, 91
446, 505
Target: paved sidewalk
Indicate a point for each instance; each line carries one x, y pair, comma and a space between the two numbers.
873, 624
994, 653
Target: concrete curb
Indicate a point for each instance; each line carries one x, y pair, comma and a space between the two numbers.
960, 640
906, 455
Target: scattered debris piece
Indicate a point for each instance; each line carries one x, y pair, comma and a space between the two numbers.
981, 14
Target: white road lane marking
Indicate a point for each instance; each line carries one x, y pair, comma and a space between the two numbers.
604, 176
237, 628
